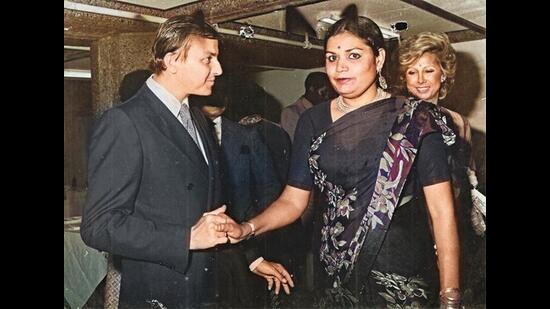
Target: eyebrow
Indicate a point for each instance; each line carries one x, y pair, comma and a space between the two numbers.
347, 50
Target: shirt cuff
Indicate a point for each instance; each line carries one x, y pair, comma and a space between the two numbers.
255, 264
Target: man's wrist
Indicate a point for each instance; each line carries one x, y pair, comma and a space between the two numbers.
255, 264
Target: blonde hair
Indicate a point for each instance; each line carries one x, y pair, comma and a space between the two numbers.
412, 48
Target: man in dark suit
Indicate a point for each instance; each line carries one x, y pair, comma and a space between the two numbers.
250, 185
153, 175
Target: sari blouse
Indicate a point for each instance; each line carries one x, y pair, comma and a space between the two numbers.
352, 160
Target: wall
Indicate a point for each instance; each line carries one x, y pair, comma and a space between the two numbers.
470, 85
284, 85
78, 115
112, 58
468, 96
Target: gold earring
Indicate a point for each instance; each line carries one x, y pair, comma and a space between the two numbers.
382, 81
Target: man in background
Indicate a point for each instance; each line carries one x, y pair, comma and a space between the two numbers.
317, 90
250, 185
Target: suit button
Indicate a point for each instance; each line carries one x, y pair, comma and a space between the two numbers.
190, 186
205, 269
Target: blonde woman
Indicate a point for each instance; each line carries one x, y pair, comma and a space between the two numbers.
427, 66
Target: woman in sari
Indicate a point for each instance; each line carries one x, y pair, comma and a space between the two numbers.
365, 151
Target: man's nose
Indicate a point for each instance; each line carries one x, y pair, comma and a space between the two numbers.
217, 68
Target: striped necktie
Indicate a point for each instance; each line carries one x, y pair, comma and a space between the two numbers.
185, 117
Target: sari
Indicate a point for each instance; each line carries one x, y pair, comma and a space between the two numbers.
361, 200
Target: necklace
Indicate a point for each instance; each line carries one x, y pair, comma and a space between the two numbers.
346, 108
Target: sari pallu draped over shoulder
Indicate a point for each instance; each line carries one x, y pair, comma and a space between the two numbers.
353, 220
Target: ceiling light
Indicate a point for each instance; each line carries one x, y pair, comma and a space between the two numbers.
389, 34
399, 26
327, 20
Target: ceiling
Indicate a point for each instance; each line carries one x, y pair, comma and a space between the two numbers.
288, 20
420, 15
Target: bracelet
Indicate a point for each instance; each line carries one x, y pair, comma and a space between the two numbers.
450, 298
252, 227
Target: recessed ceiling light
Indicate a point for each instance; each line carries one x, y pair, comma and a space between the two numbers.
399, 26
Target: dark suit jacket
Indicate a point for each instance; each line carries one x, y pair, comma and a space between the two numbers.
250, 184
279, 144
148, 185
286, 244
250, 181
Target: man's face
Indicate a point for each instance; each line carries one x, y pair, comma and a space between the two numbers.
212, 112
198, 71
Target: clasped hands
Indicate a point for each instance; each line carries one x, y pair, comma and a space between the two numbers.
215, 227
205, 234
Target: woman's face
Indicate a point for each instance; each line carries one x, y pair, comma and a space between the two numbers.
424, 77
351, 65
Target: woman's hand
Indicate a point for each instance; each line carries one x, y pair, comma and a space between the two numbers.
234, 231
274, 273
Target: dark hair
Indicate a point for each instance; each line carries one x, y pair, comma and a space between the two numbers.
176, 32
360, 26
316, 80
132, 82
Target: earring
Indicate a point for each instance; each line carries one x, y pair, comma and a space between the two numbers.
443, 78
382, 81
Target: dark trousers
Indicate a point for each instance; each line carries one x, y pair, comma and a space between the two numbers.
238, 286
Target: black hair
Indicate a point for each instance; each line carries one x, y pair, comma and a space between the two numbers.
360, 26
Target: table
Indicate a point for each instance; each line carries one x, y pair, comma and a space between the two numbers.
84, 268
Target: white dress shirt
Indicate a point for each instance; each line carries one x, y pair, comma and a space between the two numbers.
218, 128
173, 104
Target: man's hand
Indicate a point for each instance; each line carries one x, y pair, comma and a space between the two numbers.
274, 272
235, 232
204, 233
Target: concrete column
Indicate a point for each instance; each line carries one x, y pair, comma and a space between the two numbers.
112, 58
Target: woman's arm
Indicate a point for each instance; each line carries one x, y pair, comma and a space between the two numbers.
439, 199
283, 211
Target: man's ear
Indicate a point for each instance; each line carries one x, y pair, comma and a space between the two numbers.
380, 59
311, 89
170, 61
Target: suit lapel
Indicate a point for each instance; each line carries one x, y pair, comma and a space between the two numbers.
174, 131
212, 152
